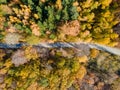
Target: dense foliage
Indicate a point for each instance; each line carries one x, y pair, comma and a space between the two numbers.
58, 20
40, 68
